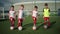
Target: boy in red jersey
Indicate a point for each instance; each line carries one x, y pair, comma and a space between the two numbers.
20, 17
34, 16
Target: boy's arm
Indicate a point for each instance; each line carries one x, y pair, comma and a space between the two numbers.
43, 9
15, 14
49, 10
37, 15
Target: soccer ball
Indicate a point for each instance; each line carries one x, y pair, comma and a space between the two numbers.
20, 28
11, 28
45, 26
34, 27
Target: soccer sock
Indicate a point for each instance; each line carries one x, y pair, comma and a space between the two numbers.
45, 22
20, 22
34, 21
12, 22
48, 23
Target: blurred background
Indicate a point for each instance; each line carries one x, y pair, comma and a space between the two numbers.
54, 6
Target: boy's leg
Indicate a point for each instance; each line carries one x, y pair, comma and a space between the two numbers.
48, 21
34, 26
34, 19
12, 21
20, 22
45, 20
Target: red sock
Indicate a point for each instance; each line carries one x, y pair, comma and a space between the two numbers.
44, 22
20, 22
12, 22
34, 21
48, 23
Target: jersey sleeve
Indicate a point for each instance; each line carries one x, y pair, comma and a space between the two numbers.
43, 9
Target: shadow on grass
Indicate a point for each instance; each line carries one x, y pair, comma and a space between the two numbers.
15, 28
31, 25
41, 24
28, 25
25, 26
52, 23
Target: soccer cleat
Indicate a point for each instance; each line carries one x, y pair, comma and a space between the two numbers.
34, 27
20, 28
11, 28
45, 26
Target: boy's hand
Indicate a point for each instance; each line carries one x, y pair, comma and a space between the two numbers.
43, 16
9, 17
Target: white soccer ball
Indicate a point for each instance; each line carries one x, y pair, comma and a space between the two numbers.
20, 28
11, 28
45, 26
34, 28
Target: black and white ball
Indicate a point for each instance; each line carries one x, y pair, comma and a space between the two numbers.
45, 26
11, 28
20, 28
34, 28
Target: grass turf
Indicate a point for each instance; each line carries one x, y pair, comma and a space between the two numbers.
27, 26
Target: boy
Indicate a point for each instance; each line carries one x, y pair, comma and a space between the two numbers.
46, 12
12, 17
20, 17
34, 16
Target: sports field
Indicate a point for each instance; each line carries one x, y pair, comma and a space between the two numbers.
27, 26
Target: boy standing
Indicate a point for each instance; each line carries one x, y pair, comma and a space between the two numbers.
34, 16
12, 17
20, 17
46, 13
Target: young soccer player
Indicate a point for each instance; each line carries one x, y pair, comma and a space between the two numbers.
46, 12
20, 17
34, 16
12, 17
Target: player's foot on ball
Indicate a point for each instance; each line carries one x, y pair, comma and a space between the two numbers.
34, 28
20, 28
11, 28
45, 26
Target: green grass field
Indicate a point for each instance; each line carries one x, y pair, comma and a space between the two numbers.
27, 26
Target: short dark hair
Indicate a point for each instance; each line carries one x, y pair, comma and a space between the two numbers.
35, 6
46, 4
12, 6
22, 5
